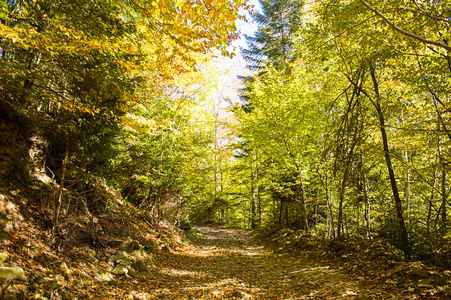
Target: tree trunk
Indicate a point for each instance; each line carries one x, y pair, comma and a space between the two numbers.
367, 213
434, 185
303, 215
405, 245
58, 200
340, 206
253, 198
280, 212
343, 189
330, 219
443, 227
329, 210
259, 200
407, 173
431, 199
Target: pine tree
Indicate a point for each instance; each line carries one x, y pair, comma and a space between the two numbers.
272, 46
278, 24
273, 43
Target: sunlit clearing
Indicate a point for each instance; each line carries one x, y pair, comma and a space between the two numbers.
184, 273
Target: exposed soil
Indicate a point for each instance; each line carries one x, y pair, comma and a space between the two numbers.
225, 263
228, 264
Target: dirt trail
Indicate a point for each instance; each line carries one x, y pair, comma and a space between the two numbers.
228, 264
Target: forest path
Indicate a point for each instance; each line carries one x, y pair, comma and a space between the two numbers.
228, 264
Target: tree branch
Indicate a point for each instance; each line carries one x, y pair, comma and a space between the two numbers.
405, 32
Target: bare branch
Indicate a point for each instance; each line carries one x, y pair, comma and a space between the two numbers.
405, 32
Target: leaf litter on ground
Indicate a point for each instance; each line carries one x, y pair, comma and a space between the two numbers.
225, 263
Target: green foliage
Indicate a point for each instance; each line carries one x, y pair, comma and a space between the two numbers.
184, 224
111, 87
359, 125
344, 129
278, 25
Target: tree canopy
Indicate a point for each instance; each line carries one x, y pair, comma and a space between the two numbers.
342, 128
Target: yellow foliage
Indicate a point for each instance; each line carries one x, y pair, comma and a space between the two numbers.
169, 39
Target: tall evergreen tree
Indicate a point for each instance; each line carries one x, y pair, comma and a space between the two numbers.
278, 24
273, 46
273, 42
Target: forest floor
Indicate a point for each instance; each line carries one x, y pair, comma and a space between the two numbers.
228, 264
224, 263
209, 262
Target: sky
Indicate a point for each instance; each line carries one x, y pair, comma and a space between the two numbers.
246, 27
230, 68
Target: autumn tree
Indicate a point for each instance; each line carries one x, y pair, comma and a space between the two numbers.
380, 51
272, 45
75, 69
285, 128
380, 82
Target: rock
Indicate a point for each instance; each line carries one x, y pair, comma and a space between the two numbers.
131, 246
9, 273
8, 227
120, 270
143, 261
131, 271
112, 258
241, 295
145, 275
125, 262
440, 281
107, 277
121, 255
92, 253
142, 266
3, 257
52, 283
109, 268
21, 291
93, 260
420, 273
23, 278
141, 254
